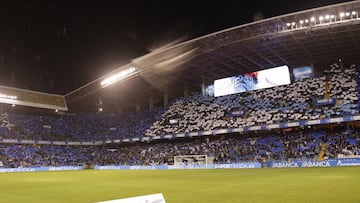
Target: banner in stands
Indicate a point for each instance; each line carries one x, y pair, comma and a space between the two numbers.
312, 163
173, 121
209, 90
302, 72
237, 112
252, 81
328, 101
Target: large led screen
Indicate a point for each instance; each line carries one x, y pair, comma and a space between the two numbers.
252, 81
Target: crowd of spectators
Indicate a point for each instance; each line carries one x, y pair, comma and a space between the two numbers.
195, 113
78, 127
301, 144
286, 103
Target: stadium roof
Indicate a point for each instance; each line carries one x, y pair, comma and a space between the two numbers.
292, 39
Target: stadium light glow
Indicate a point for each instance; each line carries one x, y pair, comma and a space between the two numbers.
354, 14
323, 20
118, 76
5, 96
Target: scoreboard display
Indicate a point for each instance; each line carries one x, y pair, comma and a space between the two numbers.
252, 81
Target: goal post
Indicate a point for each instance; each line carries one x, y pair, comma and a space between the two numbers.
192, 160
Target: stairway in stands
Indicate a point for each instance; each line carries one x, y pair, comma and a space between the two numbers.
322, 152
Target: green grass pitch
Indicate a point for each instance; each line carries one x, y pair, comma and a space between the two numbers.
339, 184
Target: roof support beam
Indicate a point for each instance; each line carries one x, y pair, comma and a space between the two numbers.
260, 55
249, 59
276, 54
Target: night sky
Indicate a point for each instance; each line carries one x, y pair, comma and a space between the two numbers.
57, 46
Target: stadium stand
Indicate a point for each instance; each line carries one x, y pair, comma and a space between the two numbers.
79, 127
296, 101
266, 106
260, 146
323, 110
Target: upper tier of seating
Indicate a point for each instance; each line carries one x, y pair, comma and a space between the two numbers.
79, 127
286, 103
266, 106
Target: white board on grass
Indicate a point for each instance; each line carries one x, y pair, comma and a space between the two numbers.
153, 198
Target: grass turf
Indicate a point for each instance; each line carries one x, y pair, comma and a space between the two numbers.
339, 184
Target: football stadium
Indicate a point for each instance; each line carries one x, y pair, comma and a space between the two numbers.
266, 111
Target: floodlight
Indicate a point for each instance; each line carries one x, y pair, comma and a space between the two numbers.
5, 96
293, 23
301, 22
327, 17
118, 76
354, 14
306, 21
321, 18
312, 19
347, 14
342, 14
288, 24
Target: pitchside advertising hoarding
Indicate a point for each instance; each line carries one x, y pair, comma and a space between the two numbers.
271, 164
252, 81
171, 167
312, 163
38, 169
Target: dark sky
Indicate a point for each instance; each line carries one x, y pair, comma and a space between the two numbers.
57, 46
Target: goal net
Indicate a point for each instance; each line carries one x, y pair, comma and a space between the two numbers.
192, 160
